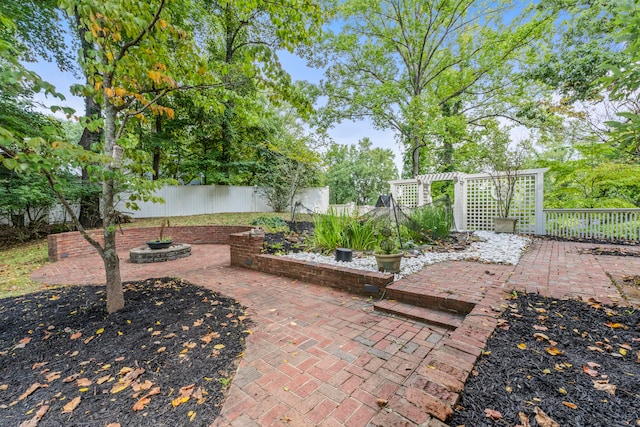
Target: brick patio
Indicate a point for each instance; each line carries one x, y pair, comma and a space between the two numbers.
322, 357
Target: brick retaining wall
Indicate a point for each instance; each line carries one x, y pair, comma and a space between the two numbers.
246, 252
72, 244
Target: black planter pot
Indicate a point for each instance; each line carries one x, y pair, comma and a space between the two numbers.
160, 245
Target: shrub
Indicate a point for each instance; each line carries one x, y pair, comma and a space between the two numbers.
271, 223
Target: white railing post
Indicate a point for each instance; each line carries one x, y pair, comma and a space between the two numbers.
539, 200
460, 203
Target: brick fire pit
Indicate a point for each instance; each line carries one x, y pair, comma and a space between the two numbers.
142, 254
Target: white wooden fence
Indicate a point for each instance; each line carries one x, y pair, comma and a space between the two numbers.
203, 199
207, 199
605, 224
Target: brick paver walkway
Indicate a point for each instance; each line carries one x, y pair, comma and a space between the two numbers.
321, 357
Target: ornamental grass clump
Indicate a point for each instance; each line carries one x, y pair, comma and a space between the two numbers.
332, 231
429, 223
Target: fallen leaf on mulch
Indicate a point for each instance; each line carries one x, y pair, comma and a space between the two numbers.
543, 419
31, 389
591, 372
493, 414
71, 406
144, 400
516, 382
104, 360
33, 422
524, 420
605, 386
553, 351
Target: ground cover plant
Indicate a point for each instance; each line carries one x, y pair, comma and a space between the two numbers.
165, 359
16, 264
554, 363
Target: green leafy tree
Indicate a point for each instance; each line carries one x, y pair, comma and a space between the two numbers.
430, 70
358, 173
624, 82
288, 165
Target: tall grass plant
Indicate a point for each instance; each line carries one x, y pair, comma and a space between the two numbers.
429, 223
332, 231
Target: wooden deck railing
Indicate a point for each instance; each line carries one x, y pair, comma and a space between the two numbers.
607, 224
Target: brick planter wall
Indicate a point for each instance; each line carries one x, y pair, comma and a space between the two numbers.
246, 252
72, 244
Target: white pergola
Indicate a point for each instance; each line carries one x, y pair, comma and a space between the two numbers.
474, 204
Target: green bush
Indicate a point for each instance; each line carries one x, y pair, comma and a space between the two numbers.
429, 223
271, 223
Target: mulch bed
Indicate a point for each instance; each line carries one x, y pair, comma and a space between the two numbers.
631, 281
610, 251
292, 241
590, 240
562, 361
165, 360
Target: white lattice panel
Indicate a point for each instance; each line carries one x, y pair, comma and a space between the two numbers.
482, 204
406, 194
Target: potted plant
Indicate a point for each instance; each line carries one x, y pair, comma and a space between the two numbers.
161, 242
505, 166
388, 255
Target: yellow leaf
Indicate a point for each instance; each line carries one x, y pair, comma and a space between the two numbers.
562, 390
179, 401
553, 351
616, 325
99, 331
83, 389
118, 387
191, 415
623, 351
522, 346
161, 349
219, 346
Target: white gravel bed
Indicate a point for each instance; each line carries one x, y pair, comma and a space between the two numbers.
492, 248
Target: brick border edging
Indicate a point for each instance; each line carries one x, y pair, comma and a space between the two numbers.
72, 244
436, 385
246, 247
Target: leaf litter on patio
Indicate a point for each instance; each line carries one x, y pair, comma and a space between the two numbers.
164, 360
556, 363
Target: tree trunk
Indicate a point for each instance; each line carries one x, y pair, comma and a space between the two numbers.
89, 202
416, 155
156, 150
115, 293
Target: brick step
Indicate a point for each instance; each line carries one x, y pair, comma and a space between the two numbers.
447, 304
431, 316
